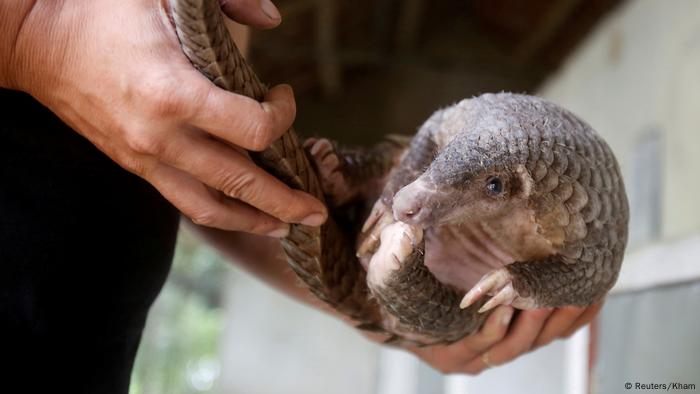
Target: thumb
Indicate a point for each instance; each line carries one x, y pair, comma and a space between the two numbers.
261, 14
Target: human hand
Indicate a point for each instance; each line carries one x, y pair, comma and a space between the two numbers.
115, 73
499, 341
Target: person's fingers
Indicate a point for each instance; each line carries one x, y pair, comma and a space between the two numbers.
209, 208
256, 13
493, 330
557, 323
452, 358
227, 170
240, 120
519, 340
584, 319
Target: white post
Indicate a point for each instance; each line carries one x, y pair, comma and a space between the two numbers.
398, 372
576, 362
457, 384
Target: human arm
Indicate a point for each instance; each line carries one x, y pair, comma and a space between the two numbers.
505, 335
115, 73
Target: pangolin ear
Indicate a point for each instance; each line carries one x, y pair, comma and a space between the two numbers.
523, 182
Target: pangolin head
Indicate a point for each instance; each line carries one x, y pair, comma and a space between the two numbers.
483, 170
477, 187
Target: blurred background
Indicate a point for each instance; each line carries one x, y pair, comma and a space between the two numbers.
365, 68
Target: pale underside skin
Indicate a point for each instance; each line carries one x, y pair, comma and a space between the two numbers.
566, 251
437, 235
457, 255
461, 254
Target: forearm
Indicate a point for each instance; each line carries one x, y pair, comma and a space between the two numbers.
264, 258
13, 13
261, 256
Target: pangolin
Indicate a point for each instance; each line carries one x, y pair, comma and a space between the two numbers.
498, 199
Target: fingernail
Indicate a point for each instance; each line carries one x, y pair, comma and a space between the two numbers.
506, 316
279, 233
315, 219
270, 10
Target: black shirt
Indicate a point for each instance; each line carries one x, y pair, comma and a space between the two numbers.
85, 247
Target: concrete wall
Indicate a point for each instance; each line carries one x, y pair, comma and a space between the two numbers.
636, 80
640, 71
272, 344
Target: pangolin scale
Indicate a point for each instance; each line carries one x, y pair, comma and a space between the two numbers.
501, 195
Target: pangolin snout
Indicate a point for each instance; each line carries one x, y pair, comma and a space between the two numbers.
412, 204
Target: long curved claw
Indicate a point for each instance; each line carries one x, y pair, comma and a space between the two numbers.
490, 283
499, 284
505, 296
379, 218
330, 170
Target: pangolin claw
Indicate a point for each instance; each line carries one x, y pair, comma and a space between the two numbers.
504, 297
499, 285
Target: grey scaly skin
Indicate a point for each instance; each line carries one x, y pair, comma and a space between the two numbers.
539, 188
506, 186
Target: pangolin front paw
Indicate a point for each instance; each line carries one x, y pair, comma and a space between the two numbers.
380, 217
398, 241
499, 285
329, 165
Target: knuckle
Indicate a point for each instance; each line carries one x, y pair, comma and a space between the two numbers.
201, 100
163, 98
166, 105
489, 337
237, 185
290, 106
260, 227
141, 140
134, 165
205, 218
261, 134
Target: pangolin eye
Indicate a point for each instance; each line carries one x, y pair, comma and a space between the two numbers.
494, 186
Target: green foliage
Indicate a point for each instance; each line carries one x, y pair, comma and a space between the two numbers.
179, 348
